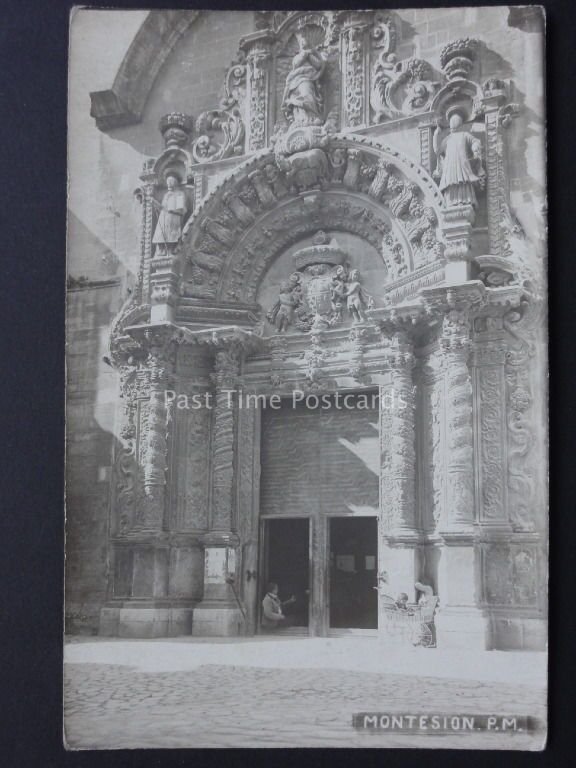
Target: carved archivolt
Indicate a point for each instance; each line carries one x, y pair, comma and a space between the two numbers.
312, 181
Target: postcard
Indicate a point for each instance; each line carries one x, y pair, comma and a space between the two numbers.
307, 447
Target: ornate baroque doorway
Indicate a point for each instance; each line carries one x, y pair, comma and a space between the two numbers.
320, 479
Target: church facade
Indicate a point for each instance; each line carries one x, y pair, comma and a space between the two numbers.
329, 368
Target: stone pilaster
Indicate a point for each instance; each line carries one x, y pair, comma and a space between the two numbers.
220, 612
461, 622
226, 369
258, 49
457, 223
488, 360
354, 72
165, 276
145, 195
426, 126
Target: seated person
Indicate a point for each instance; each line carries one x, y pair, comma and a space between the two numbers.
272, 614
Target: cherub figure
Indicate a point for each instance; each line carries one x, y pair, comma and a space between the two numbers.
357, 298
289, 298
338, 290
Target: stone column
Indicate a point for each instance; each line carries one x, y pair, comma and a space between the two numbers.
397, 524
258, 47
456, 344
460, 623
219, 613
155, 437
140, 605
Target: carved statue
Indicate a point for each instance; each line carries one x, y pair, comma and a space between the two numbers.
289, 298
338, 158
357, 298
302, 102
173, 210
338, 290
459, 164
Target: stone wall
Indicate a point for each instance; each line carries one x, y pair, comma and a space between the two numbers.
92, 394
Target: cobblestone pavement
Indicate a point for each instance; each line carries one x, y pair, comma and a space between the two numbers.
112, 706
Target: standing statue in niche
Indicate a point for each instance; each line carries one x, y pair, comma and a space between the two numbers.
459, 164
173, 210
302, 102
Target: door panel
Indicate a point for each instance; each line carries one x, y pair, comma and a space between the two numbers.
318, 464
353, 573
287, 563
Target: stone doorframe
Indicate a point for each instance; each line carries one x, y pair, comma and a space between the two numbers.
203, 295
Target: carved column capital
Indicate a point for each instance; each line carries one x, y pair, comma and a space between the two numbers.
400, 353
455, 339
226, 367
457, 222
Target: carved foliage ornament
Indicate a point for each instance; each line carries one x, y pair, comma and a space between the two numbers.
400, 88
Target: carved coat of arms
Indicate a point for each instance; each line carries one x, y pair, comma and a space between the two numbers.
320, 289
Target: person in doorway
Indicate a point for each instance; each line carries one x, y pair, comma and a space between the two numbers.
272, 614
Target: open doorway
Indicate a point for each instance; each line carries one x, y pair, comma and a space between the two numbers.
353, 572
287, 563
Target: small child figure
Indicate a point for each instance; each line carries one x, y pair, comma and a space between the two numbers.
401, 602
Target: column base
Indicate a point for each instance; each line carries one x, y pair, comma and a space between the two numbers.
217, 620
397, 561
463, 627
512, 631
145, 620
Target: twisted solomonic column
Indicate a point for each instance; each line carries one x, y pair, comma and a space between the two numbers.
397, 435
456, 346
155, 424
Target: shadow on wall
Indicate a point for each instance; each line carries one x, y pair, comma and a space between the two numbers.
90, 446
192, 71
319, 460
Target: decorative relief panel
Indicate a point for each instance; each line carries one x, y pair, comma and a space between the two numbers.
492, 463
433, 420
511, 575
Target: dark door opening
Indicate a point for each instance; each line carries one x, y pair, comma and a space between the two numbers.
287, 562
353, 573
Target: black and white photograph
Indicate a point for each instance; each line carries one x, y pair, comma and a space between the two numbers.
307, 379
